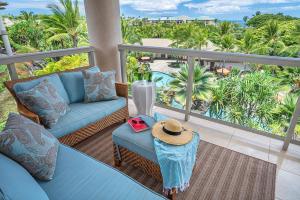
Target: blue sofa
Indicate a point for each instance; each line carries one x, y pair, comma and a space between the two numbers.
84, 119
77, 177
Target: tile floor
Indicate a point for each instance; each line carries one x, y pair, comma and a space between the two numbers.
265, 148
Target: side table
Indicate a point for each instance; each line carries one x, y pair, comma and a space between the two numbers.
143, 93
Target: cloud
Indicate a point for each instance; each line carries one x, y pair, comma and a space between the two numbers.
153, 5
231, 6
38, 4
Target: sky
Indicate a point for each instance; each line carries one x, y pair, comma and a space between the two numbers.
219, 9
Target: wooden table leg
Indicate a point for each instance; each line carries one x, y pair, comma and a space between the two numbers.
117, 162
172, 194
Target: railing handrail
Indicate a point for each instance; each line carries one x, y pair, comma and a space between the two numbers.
191, 54
19, 58
222, 56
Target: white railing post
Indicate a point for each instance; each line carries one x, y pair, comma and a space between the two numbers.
123, 59
91, 57
11, 66
189, 88
293, 123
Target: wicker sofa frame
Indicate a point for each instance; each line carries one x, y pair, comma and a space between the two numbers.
71, 139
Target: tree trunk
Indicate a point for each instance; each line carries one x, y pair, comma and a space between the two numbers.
75, 41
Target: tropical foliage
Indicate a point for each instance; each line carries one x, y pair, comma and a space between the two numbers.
253, 98
203, 82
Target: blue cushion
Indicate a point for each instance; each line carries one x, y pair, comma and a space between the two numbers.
80, 177
16, 183
141, 143
44, 100
82, 114
99, 86
53, 78
73, 82
31, 145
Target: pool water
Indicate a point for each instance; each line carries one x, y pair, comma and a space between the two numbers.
166, 78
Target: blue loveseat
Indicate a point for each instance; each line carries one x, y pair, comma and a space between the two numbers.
84, 119
77, 176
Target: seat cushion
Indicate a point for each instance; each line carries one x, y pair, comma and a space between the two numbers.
53, 78
31, 145
140, 143
83, 114
80, 177
45, 101
16, 183
99, 86
73, 82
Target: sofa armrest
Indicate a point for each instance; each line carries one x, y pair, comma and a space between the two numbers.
122, 89
27, 113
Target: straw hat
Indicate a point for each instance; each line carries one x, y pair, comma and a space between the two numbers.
172, 132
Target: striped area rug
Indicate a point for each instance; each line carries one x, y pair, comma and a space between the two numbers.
219, 173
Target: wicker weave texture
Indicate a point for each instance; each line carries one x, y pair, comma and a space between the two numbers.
131, 158
79, 135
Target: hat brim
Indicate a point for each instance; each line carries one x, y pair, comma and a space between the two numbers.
184, 138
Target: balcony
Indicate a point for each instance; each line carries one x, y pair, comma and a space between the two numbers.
256, 143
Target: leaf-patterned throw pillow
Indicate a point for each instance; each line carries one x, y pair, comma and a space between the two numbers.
99, 86
31, 145
44, 101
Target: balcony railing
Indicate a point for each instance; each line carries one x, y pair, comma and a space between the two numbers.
191, 56
19, 58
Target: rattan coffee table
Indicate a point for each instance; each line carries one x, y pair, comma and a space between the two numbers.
137, 149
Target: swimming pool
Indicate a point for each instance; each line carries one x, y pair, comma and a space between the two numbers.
166, 78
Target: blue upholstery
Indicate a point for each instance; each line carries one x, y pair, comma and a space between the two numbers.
78, 177
53, 78
16, 183
141, 143
73, 82
31, 145
45, 101
99, 86
82, 114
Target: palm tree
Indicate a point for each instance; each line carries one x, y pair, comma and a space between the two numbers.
197, 39
227, 43
27, 16
64, 23
272, 43
203, 83
2, 5
248, 44
283, 113
218, 100
291, 76
129, 34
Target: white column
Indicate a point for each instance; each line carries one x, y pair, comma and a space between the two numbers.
104, 29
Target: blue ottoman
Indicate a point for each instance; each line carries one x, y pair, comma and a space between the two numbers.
138, 143
136, 149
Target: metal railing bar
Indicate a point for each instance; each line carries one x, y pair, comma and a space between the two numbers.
189, 89
123, 57
42, 55
226, 56
293, 123
91, 57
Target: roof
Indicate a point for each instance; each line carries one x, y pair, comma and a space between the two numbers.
157, 42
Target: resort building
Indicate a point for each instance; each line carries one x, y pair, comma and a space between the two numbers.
182, 19
112, 130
